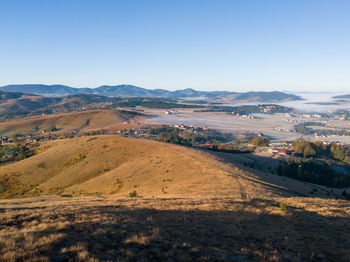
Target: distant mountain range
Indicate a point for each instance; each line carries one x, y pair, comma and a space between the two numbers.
135, 91
342, 97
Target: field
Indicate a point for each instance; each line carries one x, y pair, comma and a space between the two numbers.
125, 199
263, 123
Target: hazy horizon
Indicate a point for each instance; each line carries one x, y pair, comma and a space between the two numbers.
204, 45
208, 90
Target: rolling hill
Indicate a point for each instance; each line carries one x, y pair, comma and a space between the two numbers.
114, 165
134, 91
18, 105
115, 198
82, 121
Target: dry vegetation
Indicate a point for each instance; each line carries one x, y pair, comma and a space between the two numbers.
115, 165
83, 121
206, 229
188, 205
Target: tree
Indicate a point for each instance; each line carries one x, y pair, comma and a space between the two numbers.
258, 141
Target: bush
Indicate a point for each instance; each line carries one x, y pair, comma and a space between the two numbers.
283, 207
258, 141
133, 194
42, 165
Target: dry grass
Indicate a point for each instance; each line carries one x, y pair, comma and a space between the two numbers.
99, 229
84, 121
192, 205
115, 166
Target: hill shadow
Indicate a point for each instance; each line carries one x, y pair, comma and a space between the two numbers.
244, 233
266, 169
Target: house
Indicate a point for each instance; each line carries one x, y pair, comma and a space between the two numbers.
4, 140
209, 145
275, 150
282, 151
9, 153
170, 112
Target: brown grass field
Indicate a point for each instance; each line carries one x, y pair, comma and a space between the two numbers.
70, 203
83, 121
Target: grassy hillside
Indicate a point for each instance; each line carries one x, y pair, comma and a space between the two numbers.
84, 121
115, 165
72, 203
18, 105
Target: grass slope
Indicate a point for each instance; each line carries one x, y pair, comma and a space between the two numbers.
194, 206
114, 165
84, 121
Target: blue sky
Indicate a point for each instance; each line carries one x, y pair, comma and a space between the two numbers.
294, 45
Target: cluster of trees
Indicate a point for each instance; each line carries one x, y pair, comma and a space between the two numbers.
210, 139
183, 138
188, 136
200, 139
319, 149
233, 147
317, 172
93, 133
152, 103
248, 109
173, 138
260, 141
306, 129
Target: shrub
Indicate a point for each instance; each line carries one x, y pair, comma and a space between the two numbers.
133, 194
42, 165
283, 207
258, 141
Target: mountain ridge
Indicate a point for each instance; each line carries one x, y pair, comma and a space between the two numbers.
125, 90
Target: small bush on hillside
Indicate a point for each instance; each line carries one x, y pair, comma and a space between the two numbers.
133, 194
42, 165
283, 207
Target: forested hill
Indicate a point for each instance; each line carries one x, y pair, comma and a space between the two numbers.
135, 91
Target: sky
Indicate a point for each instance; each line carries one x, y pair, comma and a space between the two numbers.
247, 45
